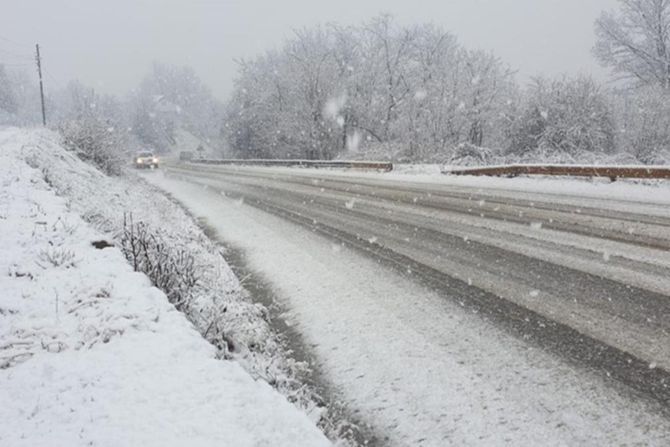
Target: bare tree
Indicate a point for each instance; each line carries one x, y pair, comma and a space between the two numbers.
644, 123
393, 45
636, 42
488, 85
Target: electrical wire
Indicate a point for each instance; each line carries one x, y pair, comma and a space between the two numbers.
21, 64
55, 81
7, 39
15, 54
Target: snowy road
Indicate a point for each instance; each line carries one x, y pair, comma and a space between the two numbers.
457, 313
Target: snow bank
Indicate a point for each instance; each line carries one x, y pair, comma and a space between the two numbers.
221, 309
90, 353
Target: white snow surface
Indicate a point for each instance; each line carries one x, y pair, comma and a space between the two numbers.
418, 367
92, 354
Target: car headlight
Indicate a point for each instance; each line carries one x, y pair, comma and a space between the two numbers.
139, 161
155, 160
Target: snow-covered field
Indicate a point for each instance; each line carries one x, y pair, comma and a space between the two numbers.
90, 352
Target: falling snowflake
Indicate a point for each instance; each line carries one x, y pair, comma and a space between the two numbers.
420, 95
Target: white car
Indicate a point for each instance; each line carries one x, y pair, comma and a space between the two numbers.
146, 160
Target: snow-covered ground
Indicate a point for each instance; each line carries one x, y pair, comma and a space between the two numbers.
90, 352
418, 367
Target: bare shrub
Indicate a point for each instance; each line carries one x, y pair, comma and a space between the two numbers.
170, 269
57, 257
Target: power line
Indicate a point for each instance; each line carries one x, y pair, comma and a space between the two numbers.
15, 54
16, 64
7, 39
15, 60
52, 78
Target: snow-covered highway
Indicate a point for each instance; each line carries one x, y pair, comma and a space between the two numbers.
453, 313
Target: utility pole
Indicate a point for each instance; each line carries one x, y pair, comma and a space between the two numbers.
39, 71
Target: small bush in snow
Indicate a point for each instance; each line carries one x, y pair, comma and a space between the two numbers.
57, 257
170, 269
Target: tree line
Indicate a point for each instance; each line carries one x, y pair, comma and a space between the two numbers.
415, 93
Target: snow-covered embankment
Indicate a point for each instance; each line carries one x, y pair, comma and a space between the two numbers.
90, 353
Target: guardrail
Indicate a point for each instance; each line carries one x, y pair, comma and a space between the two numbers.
611, 172
373, 165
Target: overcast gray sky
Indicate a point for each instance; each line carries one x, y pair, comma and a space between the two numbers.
111, 44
